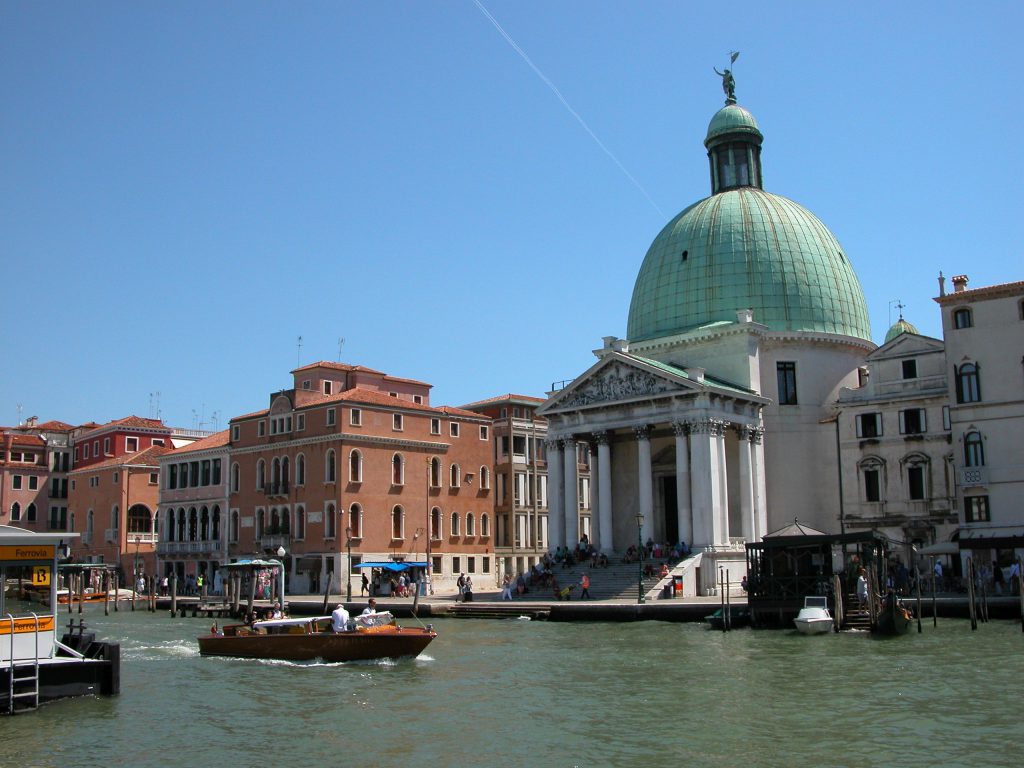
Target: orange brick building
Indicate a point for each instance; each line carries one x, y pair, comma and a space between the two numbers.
352, 465
34, 463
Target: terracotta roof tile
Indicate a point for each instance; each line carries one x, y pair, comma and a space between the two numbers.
336, 367
147, 456
216, 440
130, 422
264, 412
509, 398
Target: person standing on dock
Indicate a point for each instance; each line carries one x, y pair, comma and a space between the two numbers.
584, 587
364, 585
862, 590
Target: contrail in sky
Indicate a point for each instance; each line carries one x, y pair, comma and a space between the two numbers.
565, 103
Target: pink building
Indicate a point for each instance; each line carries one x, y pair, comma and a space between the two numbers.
352, 465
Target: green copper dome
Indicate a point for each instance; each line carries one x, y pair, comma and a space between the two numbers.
744, 248
732, 118
900, 327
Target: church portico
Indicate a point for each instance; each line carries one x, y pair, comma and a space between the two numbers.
675, 450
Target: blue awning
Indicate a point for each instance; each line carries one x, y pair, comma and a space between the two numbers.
391, 565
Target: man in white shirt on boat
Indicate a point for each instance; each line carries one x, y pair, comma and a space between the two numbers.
370, 609
339, 618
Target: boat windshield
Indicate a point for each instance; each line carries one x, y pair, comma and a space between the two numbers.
815, 602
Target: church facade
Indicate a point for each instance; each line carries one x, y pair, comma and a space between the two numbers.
709, 419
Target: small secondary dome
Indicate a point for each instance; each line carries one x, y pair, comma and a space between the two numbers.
732, 118
898, 328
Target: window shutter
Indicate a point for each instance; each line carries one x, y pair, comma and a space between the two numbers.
924, 420
903, 422
860, 426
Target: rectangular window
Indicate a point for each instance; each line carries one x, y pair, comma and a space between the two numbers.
300, 422
435, 426
216, 471
355, 417
910, 369
106, 445
207, 468
85, 451
397, 423
332, 417
486, 564
504, 413
95, 447
912, 421
236, 433
471, 565
172, 476
115, 478
869, 425
872, 486
418, 399
786, 375
483, 433
16, 482
33, 482
456, 565
261, 428
328, 387
306, 384
454, 428
157, 441
915, 483
945, 418
976, 509
153, 478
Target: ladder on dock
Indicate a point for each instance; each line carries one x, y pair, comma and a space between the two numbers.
23, 688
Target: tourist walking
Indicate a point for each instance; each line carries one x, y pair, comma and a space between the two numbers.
584, 587
461, 584
506, 587
364, 585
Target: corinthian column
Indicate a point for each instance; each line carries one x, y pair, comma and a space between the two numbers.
746, 484
683, 510
604, 495
645, 481
572, 502
556, 508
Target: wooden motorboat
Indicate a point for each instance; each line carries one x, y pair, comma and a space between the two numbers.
738, 617
305, 639
814, 618
893, 617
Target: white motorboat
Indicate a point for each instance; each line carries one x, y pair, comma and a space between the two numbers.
814, 618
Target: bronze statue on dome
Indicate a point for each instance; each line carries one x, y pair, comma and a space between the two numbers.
728, 81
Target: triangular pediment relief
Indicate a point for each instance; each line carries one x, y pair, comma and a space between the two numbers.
615, 378
907, 344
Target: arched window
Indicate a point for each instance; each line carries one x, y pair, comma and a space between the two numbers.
15, 512
872, 471
962, 318
181, 524
435, 523
435, 472
89, 522
115, 518
398, 469
275, 474
470, 524
453, 529
968, 385
330, 522
485, 525
169, 525
261, 474
30, 513
485, 478
216, 523
974, 450
193, 524
285, 474
300, 469
355, 466
398, 523
455, 475
259, 524
331, 469
234, 525
286, 522
236, 478
204, 524
916, 468
355, 521
300, 523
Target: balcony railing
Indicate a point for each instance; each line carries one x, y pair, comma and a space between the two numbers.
189, 547
273, 541
143, 538
110, 535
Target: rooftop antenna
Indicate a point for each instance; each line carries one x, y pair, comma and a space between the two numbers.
21, 410
215, 419
298, 353
341, 343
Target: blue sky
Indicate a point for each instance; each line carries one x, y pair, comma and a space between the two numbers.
186, 188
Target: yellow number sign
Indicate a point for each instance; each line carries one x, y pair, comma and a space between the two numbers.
41, 576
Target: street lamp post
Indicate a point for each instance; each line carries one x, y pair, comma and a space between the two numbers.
348, 576
640, 559
280, 595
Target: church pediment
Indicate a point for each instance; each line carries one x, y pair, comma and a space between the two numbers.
618, 378
907, 344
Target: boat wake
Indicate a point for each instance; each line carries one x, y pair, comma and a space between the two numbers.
169, 649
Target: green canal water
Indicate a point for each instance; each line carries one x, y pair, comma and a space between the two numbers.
534, 693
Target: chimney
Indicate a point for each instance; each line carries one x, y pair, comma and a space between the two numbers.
745, 316
697, 374
959, 283
942, 284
